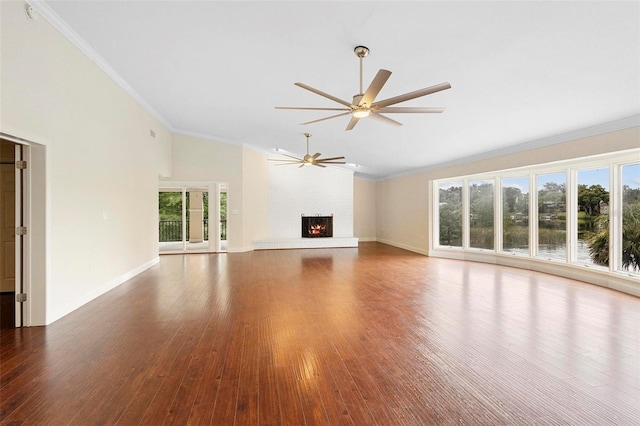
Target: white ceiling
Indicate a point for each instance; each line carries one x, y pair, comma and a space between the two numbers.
520, 71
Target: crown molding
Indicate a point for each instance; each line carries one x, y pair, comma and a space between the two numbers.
59, 24
599, 129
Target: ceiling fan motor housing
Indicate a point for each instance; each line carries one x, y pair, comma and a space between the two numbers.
361, 51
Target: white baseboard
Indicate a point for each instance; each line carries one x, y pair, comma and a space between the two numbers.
239, 249
620, 282
404, 246
367, 239
58, 313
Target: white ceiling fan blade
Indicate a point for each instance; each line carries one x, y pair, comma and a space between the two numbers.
319, 165
326, 118
384, 119
411, 95
315, 109
375, 87
393, 110
352, 123
326, 95
316, 155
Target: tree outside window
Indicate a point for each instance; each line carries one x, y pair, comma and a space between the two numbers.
515, 215
481, 214
450, 213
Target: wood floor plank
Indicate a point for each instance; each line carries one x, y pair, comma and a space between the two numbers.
356, 336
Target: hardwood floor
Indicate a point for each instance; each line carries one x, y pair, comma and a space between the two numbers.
374, 335
7, 309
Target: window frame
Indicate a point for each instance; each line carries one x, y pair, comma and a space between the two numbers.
614, 162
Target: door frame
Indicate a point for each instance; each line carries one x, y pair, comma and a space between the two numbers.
33, 310
213, 189
20, 288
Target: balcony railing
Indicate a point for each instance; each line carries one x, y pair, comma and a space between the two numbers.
171, 230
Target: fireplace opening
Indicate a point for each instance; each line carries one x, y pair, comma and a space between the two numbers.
317, 226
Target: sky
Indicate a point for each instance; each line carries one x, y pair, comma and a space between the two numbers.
631, 175
594, 177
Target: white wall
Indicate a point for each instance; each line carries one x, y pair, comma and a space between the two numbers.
309, 190
402, 203
243, 170
364, 209
201, 160
102, 165
255, 193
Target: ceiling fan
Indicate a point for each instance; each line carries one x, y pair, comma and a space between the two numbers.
308, 160
363, 104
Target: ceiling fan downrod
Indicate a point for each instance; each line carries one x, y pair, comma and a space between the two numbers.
308, 135
361, 52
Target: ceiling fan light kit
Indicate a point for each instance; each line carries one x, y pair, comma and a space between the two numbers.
308, 160
363, 104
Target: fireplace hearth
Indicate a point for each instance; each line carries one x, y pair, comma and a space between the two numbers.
317, 226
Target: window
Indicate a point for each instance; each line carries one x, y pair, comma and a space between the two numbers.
552, 216
450, 213
562, 212
592, 222
515, 215
630, 218
481, 214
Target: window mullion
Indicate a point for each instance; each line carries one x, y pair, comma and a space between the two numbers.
615, 218
533, 215
497, 215
572, 215
466, 210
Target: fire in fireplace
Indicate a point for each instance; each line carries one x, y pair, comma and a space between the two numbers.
317, 226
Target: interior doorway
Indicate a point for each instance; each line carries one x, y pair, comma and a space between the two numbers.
11, 226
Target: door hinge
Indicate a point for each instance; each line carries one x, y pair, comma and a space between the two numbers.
21, 297
21, 230
21, 164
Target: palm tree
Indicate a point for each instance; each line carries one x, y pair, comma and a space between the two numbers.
598, 241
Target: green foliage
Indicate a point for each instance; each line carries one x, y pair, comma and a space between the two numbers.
598, 241
223, 206
170, 205
590, 198
481, 215
515, 219
552, 198
450, 225
481, 205
451, 216
514, 202
630, 195
516, 237
552, 237
481, 237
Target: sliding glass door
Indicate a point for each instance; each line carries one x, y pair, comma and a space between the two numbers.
184, 220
